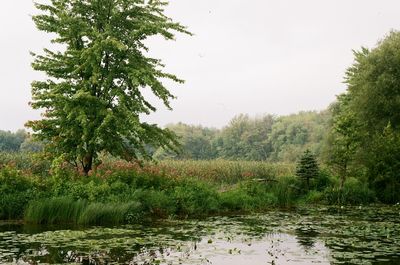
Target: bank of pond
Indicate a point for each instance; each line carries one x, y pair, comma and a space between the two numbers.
130, 196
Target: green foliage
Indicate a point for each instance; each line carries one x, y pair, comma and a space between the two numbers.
307, 168
68, 210
262, 138
55, 210
15, 192
323, 180
93, 96
137, 194
365, 125
287, 191
11, 142
354, 192
195, 198
384, 165
109, 213
314, 197
292, 135
236, 200
31, 145
155, 203
223, 171
246, 138
196, 143
343, 140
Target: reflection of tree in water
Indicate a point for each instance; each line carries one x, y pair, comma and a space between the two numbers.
306, 236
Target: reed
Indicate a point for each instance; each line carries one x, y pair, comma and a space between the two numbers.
55, 210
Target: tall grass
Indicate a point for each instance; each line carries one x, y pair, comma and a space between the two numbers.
61, 210
55, 210
221, 171
225, 171
108, 213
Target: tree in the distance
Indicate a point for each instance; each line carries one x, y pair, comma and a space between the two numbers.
307, 167
93, 96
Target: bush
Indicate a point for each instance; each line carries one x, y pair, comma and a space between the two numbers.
16, 191
12, 205
286, 190
314, 197
154, 203
323, 180
354, 192
236, 200
195, 198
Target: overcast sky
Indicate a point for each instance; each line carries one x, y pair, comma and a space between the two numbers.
247, 56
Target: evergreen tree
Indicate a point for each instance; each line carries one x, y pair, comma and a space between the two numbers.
93, 96
307, 167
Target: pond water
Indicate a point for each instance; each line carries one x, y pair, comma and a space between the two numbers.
330, 235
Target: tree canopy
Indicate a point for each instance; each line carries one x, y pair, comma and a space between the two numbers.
93, 96
366, 123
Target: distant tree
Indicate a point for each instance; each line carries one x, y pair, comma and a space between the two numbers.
93, 97
307, 167
246, 138
196, 143
11, 142
291, 135
31, 145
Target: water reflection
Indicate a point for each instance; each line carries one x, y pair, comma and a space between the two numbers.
322, 236
306, 235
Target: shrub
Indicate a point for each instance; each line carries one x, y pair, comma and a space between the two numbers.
323, 180
236, 200
12, 205
286, 190
314, 197
154, 203
195, 198
354, 192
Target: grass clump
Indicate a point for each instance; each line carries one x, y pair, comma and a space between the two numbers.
55, 210
109, 213
67, 210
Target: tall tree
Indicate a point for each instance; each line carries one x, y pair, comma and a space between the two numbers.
369, 121
343, 138
93, 96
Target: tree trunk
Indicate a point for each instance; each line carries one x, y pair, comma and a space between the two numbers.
343, 176
87, 164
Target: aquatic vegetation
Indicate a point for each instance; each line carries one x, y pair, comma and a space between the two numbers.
328, 235
55, 210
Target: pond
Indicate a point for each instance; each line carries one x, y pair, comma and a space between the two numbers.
324, 235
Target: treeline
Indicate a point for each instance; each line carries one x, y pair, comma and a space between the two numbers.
264, 138
19, 141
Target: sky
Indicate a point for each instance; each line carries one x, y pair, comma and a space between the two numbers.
246, 56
